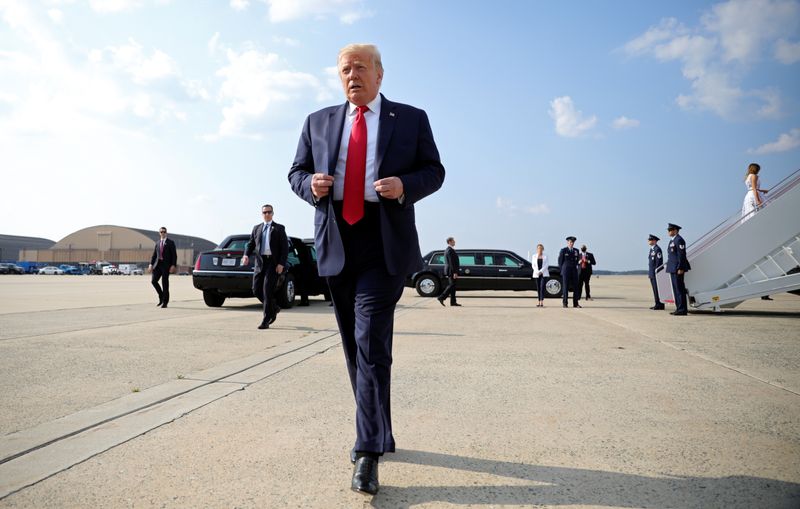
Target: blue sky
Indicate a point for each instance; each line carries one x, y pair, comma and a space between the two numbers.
603, 120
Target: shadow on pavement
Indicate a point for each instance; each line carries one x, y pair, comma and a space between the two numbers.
575, 486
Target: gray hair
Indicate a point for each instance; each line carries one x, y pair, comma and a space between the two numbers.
370, 49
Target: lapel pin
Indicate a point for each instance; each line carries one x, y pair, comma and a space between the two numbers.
391, 113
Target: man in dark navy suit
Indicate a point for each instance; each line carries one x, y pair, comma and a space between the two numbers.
677, 265
162, 264
568, 263
585, 263
654, 260
363, 165
451, 266
268, 241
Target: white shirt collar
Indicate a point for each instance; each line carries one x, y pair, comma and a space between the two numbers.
374, 106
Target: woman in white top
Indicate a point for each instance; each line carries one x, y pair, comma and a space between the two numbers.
752, 200
540, 272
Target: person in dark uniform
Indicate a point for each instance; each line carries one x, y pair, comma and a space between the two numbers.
162, 263
585, 271
451, 267
654, 261
268, 240
568, 262
677, 265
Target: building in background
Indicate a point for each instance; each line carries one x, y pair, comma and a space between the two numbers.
11, 245
114, 244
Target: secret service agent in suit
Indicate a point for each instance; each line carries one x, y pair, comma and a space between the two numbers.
162, 263
568, 259
268, 240
363, 165
585, 263
677, 265
451, 267
654, 260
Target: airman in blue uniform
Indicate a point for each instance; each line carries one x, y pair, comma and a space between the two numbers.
654, 260
677, 265
568, 263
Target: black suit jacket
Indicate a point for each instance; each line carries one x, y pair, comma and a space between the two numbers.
589, 262
451, 264
170, 253
278, 245
405, 149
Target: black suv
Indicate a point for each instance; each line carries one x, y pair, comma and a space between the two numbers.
220, 273
482, 269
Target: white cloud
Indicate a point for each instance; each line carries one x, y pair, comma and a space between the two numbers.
56, 16
286, 41
348, 11
787, 52
107, 6
569, 121
786, 141
624, 122
256, 90
744, 27
213, 44
131, 59
711, 54
240, 5
507, 206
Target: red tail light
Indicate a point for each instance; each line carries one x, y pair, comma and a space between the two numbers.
197, 264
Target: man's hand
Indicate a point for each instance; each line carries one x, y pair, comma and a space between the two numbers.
455, 276
321, 184
149, 268
680, 272
279, 268
172, 269
245, 260
390, 187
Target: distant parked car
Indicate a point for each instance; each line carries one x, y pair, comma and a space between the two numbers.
11, 268
70, 269
220, 274
50, 270
482, 269
110, 269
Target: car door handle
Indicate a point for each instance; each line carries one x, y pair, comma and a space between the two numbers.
502, 270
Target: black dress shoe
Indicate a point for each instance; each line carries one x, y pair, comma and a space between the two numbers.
440, 301
657, 308
577, 306
566, 306
454, 304
164, 305
264, 325
679, 313
160, 303
767, 297
365, 476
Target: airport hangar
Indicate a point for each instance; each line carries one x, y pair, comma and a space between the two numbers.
115, 244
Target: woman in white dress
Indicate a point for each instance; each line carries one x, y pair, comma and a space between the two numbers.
540, 272
752, 200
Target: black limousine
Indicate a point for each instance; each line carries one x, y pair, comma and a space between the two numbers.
219, 273
482, 269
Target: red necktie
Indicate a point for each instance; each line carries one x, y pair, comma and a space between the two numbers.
355, 170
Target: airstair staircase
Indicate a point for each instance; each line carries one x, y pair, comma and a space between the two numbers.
746, 257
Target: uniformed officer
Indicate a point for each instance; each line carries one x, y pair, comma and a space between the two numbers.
568, 263
654, 261
677, 265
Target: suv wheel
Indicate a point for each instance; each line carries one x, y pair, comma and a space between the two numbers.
213, 299
552, 288
428, 285
286, 293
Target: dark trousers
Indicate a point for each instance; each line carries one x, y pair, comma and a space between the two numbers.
364, 296
264, 286
655, 292
569, 279
161, 271
679, 292
450, 291
540, 282
583, 282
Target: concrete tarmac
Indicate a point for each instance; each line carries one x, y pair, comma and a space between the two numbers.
108, 401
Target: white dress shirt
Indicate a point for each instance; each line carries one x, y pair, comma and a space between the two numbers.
372, 117
265, 250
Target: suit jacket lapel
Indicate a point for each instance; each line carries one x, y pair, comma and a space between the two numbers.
385, 129
335, 127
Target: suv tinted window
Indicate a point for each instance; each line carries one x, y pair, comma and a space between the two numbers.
438, 259
466, 259
235, 244
504, 260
